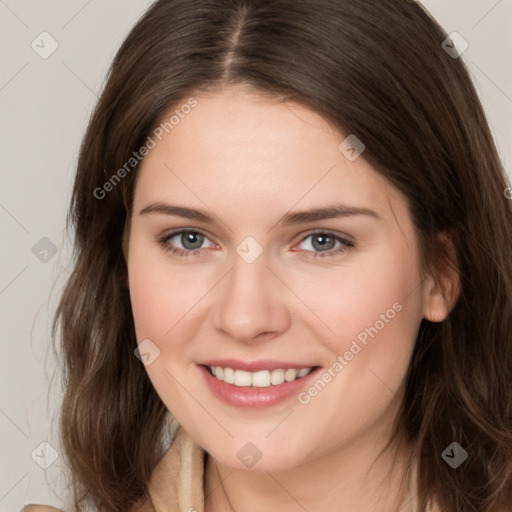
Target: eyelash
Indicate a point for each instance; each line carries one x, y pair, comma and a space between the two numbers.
345, 244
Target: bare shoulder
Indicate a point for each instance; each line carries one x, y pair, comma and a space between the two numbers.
39, 508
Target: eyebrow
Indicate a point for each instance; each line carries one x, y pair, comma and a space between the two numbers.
290, 218
328, 212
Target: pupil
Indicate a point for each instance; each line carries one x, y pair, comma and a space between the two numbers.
191, 240
326, 242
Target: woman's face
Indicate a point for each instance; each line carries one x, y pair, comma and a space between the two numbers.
256, 283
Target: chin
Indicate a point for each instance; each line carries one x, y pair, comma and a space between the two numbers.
258, 456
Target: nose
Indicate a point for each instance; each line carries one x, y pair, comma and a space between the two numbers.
251, 303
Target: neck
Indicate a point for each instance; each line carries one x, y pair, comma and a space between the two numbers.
350, 477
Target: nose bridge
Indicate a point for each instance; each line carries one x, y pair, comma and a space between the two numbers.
250, 302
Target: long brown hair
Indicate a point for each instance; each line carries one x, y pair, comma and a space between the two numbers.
376, 69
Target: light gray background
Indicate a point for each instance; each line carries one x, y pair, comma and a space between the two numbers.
44, 108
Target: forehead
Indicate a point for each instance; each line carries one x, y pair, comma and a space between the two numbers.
242, 151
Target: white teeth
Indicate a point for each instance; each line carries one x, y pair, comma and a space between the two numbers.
242, 378
260, 379
290, 375
277, 377
303, 372
229, 375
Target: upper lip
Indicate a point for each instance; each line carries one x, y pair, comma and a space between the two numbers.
255, 366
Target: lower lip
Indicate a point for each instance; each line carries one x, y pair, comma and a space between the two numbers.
254, 397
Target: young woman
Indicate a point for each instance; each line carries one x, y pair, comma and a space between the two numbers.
292, 287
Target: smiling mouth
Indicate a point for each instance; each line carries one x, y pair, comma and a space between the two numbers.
259, 379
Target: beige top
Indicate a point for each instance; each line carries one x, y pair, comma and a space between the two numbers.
177, 482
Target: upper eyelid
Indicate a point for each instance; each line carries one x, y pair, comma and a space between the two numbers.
173, 233
345, 237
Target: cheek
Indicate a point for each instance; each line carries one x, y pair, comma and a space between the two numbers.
161, 294
162, 300
378, 326
150, 298
375, 300
374, 311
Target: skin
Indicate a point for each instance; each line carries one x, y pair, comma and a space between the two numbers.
248, 161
